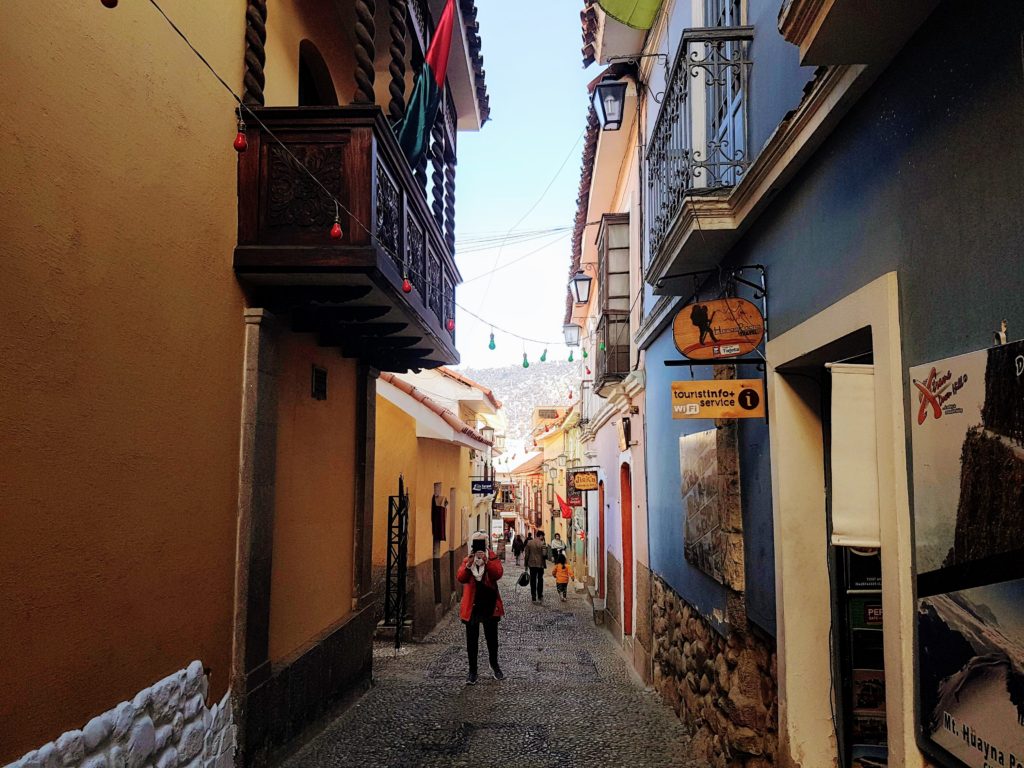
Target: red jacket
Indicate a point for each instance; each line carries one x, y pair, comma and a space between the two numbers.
492, 572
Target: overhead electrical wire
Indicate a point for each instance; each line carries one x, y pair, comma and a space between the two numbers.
242, 106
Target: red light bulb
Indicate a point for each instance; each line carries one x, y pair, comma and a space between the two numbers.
588, 371
406, 285
336, 230
241, 143
450, 325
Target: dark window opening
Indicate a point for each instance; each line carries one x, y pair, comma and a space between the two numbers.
316, 88
319, 389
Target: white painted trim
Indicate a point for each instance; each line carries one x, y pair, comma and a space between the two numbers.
429, 425
803, 608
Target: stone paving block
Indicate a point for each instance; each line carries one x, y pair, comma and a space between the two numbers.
567, 700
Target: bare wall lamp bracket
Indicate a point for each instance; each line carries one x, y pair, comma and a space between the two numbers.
635, 58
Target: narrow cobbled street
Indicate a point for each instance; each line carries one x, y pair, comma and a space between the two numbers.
567, 700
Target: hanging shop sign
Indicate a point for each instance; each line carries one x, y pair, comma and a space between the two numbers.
713, 330
577, 482
483, 486
967, 438
718, 399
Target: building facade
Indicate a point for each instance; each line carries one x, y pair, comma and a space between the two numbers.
824, 164
191, 361
430, 442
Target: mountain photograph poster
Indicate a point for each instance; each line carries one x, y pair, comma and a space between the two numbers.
967, 442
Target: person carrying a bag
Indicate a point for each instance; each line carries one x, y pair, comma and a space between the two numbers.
536, 561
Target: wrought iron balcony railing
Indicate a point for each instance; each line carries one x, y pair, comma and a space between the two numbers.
700, 138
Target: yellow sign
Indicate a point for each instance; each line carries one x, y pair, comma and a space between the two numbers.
718, 399
723, 328
585, 481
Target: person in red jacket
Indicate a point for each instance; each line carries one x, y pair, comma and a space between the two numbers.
481, 603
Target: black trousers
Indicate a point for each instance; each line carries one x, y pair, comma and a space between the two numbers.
536, 583
473, 641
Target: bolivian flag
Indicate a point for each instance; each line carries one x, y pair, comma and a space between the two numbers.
414, 129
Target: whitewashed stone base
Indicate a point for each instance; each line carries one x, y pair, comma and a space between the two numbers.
165, 726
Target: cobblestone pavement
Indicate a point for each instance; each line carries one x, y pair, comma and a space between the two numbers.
567, 700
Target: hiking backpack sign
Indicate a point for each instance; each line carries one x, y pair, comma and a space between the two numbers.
723, 328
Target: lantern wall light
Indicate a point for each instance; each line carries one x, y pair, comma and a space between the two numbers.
610, 102
581, 283
572, 332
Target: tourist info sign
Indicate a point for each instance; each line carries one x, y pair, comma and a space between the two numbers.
718, 399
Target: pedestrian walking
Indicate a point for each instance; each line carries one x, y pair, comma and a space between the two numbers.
562, 574
481, 603
536, 561
518, 545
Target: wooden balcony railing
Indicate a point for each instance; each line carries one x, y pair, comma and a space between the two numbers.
389, 230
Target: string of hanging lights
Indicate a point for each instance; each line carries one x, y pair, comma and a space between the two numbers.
240, 145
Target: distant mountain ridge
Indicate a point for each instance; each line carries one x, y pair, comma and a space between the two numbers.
520, 390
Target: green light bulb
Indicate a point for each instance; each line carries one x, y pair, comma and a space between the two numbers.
585, 355
491, 344
570, 355
544, 356
601, 346
526, 363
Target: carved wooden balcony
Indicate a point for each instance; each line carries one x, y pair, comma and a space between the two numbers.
347, 291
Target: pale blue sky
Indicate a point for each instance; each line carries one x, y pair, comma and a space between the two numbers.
537, 87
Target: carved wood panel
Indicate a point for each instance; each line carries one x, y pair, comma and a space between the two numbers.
293, 198
416, 254
389, 214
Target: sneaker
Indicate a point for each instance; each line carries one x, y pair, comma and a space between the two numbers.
471, 678
498, 674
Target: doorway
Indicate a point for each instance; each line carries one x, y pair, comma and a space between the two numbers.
812, 602
626, 504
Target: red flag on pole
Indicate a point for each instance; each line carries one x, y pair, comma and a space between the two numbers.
566, 509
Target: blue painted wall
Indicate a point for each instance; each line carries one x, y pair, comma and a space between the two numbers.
664, 483
925, 176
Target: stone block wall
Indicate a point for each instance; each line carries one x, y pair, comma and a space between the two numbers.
164, 726
642, 646
724, 688
613, 595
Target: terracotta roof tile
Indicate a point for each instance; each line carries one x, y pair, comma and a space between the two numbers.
468, 381
421, 397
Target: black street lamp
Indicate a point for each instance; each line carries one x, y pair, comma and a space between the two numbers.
572, 334
610, 103
581, 287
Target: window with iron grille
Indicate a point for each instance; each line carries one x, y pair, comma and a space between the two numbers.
700, 139
725, 108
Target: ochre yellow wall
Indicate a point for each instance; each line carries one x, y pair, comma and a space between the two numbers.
396, 453
120, 356
422, 462
437, 462
329, 25
312, 578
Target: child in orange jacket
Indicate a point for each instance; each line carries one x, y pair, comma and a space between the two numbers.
562, 574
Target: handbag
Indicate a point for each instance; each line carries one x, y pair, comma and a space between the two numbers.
524, 579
